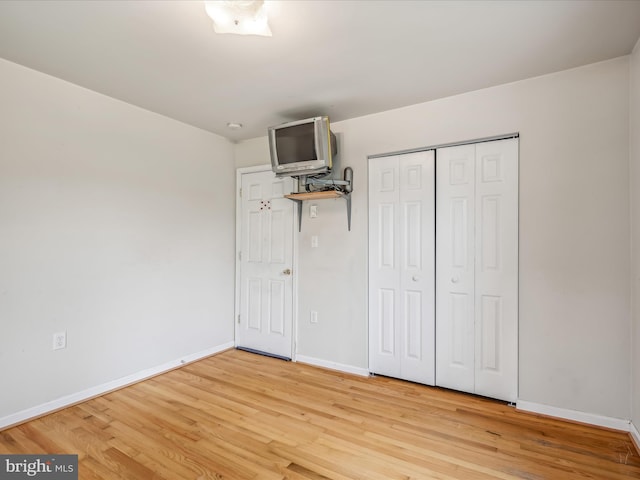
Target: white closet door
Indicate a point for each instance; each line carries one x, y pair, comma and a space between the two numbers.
477, 268
455, 280
496, 295
401, 266
384, 269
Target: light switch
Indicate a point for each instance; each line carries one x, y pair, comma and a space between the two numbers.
314, 241
313, 211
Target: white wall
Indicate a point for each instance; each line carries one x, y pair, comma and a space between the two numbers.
116, 226
574, 230
634, 160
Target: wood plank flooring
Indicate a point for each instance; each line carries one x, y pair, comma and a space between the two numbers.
238, 415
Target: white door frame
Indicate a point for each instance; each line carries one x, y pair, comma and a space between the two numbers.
294, 261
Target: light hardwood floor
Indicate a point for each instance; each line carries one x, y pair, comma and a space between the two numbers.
238, 415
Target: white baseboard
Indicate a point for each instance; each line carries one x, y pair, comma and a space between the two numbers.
363, 372
573, 415
635, 435
68, 400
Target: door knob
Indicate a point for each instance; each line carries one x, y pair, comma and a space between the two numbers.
287, 271
415, 278
455, 279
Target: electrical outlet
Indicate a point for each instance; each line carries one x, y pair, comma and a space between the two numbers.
314, 317
60, 340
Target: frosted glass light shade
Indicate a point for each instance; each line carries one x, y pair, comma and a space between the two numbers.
243, 17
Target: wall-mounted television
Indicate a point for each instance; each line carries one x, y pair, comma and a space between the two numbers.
303, 147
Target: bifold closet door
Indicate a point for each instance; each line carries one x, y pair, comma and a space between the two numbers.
477, 268
401, 266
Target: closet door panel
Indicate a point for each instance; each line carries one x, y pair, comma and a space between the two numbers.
384, 267
455, 244
401, 266
417, 275
496, 269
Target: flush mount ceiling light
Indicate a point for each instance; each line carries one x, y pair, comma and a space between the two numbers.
244, 17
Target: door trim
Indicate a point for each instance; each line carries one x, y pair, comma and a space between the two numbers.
294, 261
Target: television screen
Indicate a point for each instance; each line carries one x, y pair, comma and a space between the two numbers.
302, 147
296, 143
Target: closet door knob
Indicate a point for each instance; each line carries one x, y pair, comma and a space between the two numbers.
415, 278
455, 279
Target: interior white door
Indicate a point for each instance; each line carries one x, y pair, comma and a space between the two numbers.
401, 266
266, 261
455, 267
496, 292
477, 268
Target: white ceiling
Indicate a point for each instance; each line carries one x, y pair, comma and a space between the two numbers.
340, 58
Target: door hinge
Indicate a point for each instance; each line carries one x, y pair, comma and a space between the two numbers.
238, 318
240, 193
240, 256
